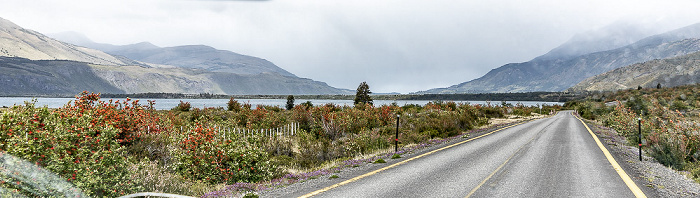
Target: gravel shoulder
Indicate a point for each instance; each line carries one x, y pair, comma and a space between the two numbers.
661, 180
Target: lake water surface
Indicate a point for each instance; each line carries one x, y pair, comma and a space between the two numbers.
165, 104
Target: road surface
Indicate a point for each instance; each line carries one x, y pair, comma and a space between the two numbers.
551, 157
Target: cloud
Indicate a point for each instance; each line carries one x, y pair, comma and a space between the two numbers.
394, 45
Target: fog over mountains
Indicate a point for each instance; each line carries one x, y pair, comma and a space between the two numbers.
580, 58
35, 64
670, 72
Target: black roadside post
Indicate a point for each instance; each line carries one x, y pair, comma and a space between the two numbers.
639, 120
396, 141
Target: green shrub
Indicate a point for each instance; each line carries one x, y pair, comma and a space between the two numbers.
206, 157
679, 105
667, 152
233, 105
183, 106
71, 145
694, 169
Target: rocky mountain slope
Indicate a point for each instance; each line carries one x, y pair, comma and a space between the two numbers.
16, 41
34, 64
612, 36
670, 72
188, 56
21, 77
558, 73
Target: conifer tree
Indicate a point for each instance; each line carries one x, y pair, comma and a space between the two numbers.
362, 95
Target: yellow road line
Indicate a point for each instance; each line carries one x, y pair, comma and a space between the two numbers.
497, 169
626, 178
399, 163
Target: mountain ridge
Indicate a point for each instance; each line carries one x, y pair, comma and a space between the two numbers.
16, 41
35, 64
669, 72
185, 56
543, 74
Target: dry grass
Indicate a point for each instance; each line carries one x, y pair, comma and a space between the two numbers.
154, 178
511, 119
340, 162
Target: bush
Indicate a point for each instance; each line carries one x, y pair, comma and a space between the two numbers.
183, 106
250, 195
667, 152
75, 144
206, 157
679, 105
694, 169
233, 105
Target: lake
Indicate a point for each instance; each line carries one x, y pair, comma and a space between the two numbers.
165, 104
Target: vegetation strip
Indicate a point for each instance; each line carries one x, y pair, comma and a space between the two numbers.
152, 194
400, 163
626, 178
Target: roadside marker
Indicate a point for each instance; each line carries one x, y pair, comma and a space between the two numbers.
626, 178
399, 163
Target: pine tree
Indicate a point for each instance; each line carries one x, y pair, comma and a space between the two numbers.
290, 102
362, 95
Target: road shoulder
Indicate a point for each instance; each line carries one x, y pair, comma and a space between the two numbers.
652, 177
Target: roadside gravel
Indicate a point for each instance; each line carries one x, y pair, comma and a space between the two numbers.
665, 181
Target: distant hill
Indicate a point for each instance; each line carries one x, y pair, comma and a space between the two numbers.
34, 64
23, 77
16, 41
188, 56
670, 72
610, 37
563, 67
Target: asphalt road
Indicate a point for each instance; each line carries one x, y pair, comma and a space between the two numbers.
551, 157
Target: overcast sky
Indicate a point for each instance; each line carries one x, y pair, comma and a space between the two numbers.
395, 45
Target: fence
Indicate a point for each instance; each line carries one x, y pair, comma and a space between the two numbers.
284, 131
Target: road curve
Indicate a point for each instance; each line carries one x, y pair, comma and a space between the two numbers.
551, 157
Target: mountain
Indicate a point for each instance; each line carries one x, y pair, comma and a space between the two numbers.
16, 41
560, 71
189, 56
670, 72
21, 77
135, 79
34, 64
618, 34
